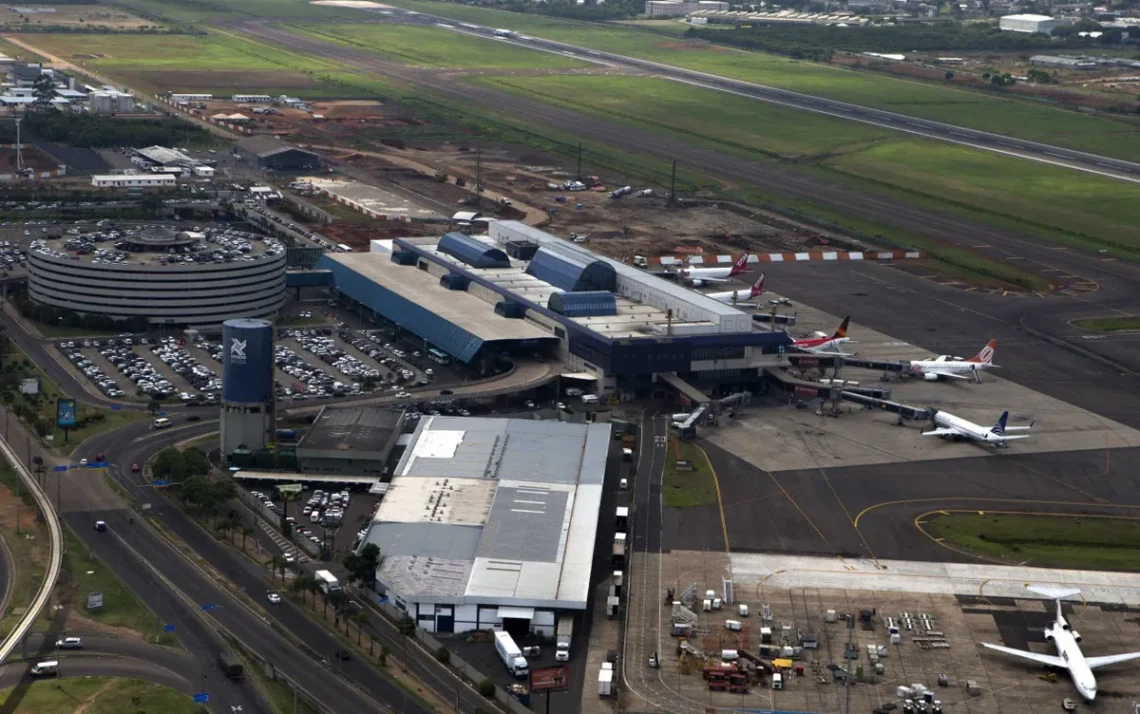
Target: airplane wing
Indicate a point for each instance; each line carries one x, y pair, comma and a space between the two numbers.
949, 375
699, 279
942, 431
1018, 428
1094, 662
1050, 660
1011, 438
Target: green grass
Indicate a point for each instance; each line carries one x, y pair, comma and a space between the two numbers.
684, 489
13, 51
1109, 324
698, 114
1057, 204
173, 52
437, 47
27, 563
974, 109
194, 11
1078, 542
279, 694
99, 695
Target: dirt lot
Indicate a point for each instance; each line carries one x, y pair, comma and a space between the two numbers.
33, 159
86, 16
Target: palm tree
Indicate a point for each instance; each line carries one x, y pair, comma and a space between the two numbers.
305, 583
246, 532
224, 527
276, 563
361, 618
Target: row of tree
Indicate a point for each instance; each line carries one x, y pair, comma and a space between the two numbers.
94, 131
176, 465
50, 315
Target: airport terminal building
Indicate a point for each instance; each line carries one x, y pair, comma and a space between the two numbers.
491, 523
521, 290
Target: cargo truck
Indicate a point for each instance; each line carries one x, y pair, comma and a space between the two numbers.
511, 655
563, 634
327, 581
619, 548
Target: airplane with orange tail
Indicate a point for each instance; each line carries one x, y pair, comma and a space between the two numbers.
950, 367
822, 343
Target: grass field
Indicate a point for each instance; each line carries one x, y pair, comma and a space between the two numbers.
684, 489
27, 549
1078, 542
98, 695
78, 16
437, 47
1109, 324
932, 101
1055, 203
699, 114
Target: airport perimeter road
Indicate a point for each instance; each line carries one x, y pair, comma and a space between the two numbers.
345, 687
779, 180
1031, 150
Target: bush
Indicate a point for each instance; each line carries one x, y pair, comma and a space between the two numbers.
487, 688
443, 654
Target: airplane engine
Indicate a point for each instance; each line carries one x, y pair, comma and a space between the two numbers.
1048, 635
929, 377
697, 282
1076, 636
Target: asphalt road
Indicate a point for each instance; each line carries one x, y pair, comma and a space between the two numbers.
1035, 151
13, 675
769, 176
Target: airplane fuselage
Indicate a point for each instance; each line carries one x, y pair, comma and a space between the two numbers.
1070, 651
966, 429
828, 344
929, 368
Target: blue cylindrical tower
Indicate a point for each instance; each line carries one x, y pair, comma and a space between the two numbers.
248, 415
247, 361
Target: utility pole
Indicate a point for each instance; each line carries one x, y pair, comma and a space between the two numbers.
673, 186
19, 150
579, 161
478, 177
850, 646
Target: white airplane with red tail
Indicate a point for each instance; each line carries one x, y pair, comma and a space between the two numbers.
949, 367
699, 276
735, 297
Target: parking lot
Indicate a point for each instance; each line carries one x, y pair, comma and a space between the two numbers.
336, 518
158, 368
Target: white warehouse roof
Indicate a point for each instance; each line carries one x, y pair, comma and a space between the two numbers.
493, 512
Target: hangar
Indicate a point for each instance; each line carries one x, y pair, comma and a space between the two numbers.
267, 152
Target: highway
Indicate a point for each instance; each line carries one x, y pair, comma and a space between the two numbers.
1011, 146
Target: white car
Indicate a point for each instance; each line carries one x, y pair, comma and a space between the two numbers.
69, 643
273, 598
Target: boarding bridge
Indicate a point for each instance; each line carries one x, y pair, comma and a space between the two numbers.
695, 395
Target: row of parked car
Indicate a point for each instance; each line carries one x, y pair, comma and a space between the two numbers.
107, 385
386, 355
326, 349
175, 356
311, 382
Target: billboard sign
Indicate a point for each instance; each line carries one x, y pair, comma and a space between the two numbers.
30, 385
65, 413
247, 361
549, 678
95, 600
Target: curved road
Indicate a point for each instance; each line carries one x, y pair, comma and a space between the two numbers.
12, 675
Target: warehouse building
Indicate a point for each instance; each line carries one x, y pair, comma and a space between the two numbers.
491, 523
267, 152
520, 290
351, 440
1042, 24
134, 181
675, 8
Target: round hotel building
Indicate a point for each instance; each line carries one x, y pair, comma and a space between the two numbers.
168, 276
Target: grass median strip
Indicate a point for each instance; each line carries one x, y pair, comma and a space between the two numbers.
98, 695
1045, 541
1109, 324
688, 479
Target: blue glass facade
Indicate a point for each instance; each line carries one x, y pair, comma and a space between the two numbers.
472, 251
593, 303
308, 278
570, 274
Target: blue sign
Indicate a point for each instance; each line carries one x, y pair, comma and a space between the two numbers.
160, 413
168, 628
98, 465
201, 697
59, 468
160, 482
207, 607
65, 413
116, 407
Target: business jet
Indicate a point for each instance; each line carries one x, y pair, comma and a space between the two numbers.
735, 297
953, 427
949, 367
823, 343
1069, 655
699, 276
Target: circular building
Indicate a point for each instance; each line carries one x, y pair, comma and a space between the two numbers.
157, 272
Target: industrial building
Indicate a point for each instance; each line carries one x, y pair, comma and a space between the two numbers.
133, 181
267, 152
675, 8
1028, 23
169, 277
491, 523
186, 98
251, 99
248, 416
162, 156
111, 101
520, 290
350, 440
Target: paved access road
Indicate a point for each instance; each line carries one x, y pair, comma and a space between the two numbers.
13, 675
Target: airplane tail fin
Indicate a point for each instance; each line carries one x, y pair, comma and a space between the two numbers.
999, 428
741, 265
759, 286
986, 356
842, 331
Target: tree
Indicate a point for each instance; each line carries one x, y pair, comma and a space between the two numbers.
362, 566
246, 532
360, 617
305, 583
277, 563
949, 76
44, 91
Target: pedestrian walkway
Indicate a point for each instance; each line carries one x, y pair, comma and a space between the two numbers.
282, 542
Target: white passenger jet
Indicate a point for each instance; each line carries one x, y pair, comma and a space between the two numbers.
949, 367
699, 276
737, 297
1069, 655
952, 427
822, 343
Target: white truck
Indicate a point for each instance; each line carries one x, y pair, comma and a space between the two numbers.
327, 581
511, 655
563, 634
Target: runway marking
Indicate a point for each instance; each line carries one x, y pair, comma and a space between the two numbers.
989, 499
791, 500
719, 501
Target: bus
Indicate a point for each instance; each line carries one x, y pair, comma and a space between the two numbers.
438, 356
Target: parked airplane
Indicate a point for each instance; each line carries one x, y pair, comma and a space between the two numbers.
823, 343
699, 276
1065, 639
950, 426
949, 367
736, 297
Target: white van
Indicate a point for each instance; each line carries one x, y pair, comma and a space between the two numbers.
49, 668
161, 423
589, 398
315, 516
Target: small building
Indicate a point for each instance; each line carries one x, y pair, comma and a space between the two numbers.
162, 156
267, 152
1062, 62
133, 181
1031, 24
184, 98
675, 8
111, 102
350, 440
204, 171
251, 98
